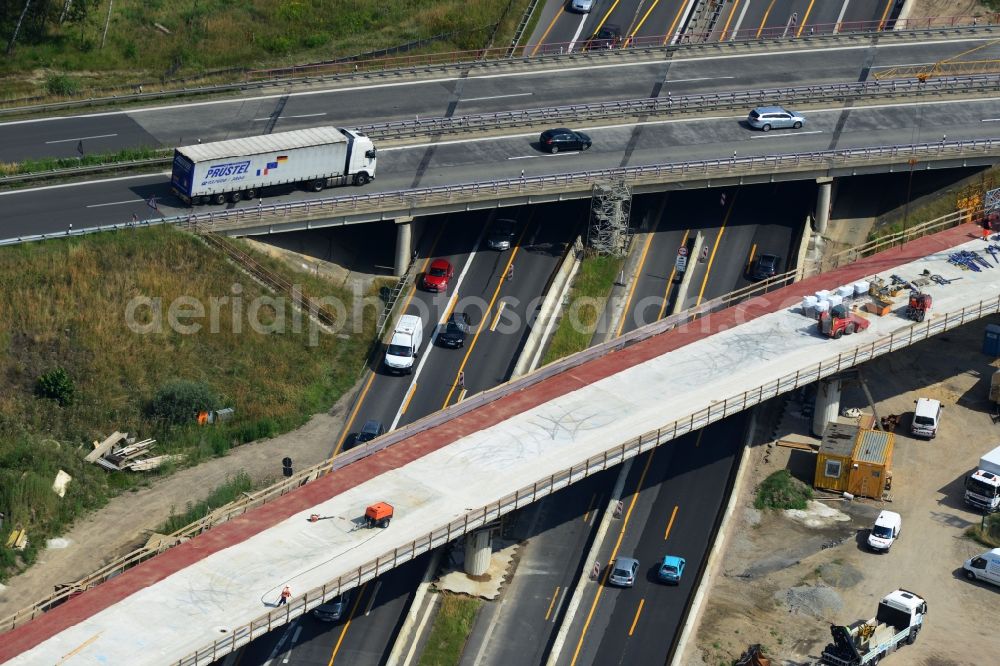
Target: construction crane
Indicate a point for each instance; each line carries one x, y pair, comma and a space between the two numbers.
952, 66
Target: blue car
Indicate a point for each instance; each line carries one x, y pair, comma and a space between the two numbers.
671, 569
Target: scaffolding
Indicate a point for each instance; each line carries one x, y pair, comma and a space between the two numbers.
610, 208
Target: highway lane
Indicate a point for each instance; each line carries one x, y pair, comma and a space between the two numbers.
366, 637
797, 18
673, 498
178, 124
52, 209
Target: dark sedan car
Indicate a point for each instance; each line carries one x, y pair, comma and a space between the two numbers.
561, 138
608, 37
454, 331
369, 431
765, 266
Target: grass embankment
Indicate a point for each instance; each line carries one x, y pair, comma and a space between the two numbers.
63, 317
149, 40
781, 490
587, 299
52, 163
451, 629
230, 491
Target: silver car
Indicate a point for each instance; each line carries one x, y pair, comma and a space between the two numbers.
582, 6
501, 234
623, 571
766, 118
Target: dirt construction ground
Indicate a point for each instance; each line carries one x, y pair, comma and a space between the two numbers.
781, 582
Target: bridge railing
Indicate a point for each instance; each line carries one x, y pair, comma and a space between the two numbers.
277, 490
614, 455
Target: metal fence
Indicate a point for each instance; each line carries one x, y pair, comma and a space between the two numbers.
273, 492
615, 455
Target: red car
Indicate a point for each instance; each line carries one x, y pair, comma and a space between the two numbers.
438, 275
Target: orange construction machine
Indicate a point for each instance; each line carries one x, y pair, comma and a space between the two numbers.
378, 515
839, 321
918, 306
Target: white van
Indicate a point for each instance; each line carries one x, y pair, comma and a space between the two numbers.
404, 345
885, 531
984, 567
926, 418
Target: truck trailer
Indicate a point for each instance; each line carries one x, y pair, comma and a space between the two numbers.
897, 622
244, 168
982, 487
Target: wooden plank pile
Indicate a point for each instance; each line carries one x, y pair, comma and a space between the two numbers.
119, 452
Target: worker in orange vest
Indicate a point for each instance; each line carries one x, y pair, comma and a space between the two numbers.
285, 593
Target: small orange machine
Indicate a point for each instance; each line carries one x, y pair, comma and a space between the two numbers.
378, 515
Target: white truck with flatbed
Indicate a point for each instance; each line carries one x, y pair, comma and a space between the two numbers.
897, 622
982, 487
239, 169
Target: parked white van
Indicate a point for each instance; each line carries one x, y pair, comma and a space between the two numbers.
984, 567
404, 345
926, 418
885, 531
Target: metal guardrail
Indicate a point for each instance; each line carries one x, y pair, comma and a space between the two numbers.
615, 455
694, 45
701, 103
411, 201
263, 496
634, 107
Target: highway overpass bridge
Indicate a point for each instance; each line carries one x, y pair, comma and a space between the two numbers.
459, 470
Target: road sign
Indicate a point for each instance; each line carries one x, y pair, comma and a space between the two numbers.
680, 263
682, 251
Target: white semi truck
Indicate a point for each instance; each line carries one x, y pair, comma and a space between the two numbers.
897, 622
238, 169
982, 487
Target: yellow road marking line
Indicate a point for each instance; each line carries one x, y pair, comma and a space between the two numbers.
631, 290
614, 553
546, 33
555, 595
753, 251
729, 20
763, 21
496, 317
673, 24
409, 397
888, 6
805, 18
354, 413
343, 632
635, 620
670, 524
715, 248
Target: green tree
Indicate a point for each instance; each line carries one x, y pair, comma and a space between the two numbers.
179, 401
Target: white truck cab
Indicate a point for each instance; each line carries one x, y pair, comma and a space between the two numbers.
926, 418
885, 531
404, 345
984, 567
982, 487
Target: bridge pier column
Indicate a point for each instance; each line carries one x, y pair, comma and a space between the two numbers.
478, 551
404, 245
823, 204
827, 404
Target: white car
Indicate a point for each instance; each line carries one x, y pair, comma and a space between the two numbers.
885, 531
582, 6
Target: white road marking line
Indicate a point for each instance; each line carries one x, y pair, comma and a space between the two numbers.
82, 138
88, 182
371, 601
840, 17
902, 64
307, 115
295, 637
523, 157
576, 35
739, 21
700, 78
281, 642
115, 203
990, 120
771, 135
451, 304
654, 63
479, 99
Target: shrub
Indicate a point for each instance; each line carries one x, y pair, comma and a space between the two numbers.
56, 385
60, 84
180, 401
782, 491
